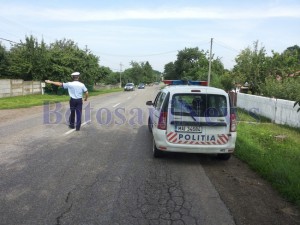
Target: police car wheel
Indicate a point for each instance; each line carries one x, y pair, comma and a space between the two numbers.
224, 156
156, 152
150, 125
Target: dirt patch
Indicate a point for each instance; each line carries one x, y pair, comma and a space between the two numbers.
250, 199
9, 115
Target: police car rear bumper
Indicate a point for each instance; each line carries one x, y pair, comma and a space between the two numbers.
194, 146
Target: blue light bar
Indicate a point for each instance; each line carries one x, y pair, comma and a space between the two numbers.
174, 82
182, 82
196, 82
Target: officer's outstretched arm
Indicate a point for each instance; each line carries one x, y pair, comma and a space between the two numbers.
54, 82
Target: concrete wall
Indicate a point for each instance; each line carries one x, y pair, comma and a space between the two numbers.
278, 110
16, 87
5, 88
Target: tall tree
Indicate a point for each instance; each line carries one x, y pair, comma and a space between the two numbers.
29, 60
67, 57
104, 74
191, 64
139, 73
148, 73
252, 65
169, 71
3, 62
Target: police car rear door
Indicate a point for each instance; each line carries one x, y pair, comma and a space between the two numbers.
197, 117
185, 120
217, 118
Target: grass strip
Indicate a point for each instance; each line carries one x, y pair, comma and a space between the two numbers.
35, 100
273, 151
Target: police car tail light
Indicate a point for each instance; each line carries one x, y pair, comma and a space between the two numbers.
162, 121
232, 122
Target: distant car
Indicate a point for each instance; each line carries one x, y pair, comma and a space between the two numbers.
129, 87
141, 86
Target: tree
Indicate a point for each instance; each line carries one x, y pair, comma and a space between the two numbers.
135, 73
66, 57
90, 67
169, 71
191, 64
227, 81
283, 78
285, 63
139, 73
28, 60
104, 73
113, 78
3, 61
217, 73
252, 64
149, 74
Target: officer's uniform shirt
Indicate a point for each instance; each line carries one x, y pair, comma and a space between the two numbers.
75, 89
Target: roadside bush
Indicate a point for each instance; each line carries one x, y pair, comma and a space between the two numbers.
287, 88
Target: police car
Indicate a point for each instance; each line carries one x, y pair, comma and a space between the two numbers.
192, 117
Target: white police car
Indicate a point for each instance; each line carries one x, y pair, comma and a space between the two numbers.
192, 118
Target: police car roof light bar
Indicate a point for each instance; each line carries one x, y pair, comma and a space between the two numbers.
196, 82
173, 82
183, 82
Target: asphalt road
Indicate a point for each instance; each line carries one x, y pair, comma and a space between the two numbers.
103, 174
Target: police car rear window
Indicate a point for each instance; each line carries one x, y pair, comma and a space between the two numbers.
199, 105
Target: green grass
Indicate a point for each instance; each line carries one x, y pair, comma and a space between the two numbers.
277, 160
29, 100
35, 100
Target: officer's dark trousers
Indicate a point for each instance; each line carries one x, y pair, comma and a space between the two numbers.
76, 108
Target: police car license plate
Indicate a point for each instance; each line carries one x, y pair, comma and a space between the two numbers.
191, 129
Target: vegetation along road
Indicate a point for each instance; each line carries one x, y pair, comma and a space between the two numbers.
105, 173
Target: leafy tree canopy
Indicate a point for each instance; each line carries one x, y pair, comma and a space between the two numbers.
193, 64
35, 60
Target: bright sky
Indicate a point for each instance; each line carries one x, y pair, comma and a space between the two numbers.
130, 30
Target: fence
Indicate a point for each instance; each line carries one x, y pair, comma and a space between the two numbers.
278, 110
15, 87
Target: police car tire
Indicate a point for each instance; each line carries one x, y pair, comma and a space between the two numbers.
156, 152
224, 156
150, 125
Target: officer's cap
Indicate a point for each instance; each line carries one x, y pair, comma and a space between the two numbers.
75, 74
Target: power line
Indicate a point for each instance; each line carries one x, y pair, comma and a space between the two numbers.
226, 46
8, 40
146, 55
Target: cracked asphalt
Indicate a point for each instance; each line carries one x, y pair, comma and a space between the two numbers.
103, 174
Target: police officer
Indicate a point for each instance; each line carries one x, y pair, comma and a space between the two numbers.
76, 90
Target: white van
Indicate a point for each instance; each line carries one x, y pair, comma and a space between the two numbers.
192, 118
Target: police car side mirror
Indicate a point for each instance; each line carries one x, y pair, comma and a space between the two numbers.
149, 103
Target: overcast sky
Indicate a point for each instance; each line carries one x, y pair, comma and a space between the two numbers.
124, 31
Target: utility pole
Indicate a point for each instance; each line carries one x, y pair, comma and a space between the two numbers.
209, 66
120, 74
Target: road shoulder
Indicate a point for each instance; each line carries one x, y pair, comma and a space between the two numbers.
250, 199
